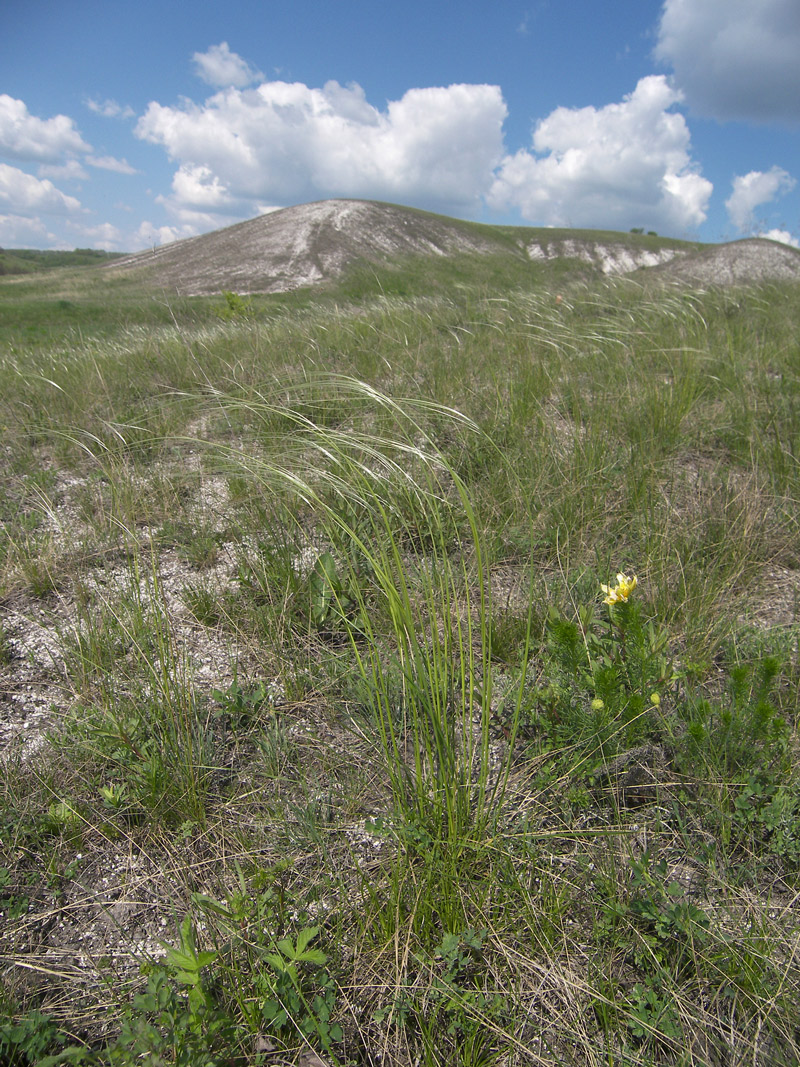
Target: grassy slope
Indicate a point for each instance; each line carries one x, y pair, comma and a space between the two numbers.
523, 235
172, 480
15, 261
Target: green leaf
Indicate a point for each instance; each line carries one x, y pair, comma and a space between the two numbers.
272, 1011
278, 963
324, 585
209, 904
313, 955
286, 946
306, 935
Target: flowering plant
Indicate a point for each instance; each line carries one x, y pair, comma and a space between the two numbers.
620, 592
606, 673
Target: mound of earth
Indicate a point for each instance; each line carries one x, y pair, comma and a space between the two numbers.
747, 262
303, 245
310, 244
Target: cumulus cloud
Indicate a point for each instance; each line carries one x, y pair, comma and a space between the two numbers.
17, 231
22, 194
220, 67
26, 137
286, 143
195, 186
753, 189
189, 221
148, 235
734, 59
783, 236
104, 235
199, 202
622, 165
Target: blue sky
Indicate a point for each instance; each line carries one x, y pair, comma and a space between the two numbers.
127, 124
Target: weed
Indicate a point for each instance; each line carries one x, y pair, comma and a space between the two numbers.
14, 905
295, 1005
605, 676
235, 307
167, 1027
653, 1015
244, 707
662, 909
743, 732
26, 1040
766, 820
204, 602
329, 601
6, 648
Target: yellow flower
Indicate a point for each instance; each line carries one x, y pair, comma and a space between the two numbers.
598, 704
620, 592
655, 699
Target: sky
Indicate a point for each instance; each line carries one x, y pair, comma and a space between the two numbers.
125, 125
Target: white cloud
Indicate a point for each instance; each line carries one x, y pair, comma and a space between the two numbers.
110, 109
734, 59
22, 194
622, 165
751, 190
220, 67
118, 166
286, 143
24, 136
148, 235
191, 221
196, 186
19, 232
199, 202
104, 235
71, 171
783, 236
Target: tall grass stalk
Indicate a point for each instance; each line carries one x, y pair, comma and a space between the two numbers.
411, 589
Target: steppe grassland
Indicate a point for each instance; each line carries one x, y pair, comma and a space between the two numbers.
330, 702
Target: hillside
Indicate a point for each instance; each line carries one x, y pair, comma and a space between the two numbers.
311, 244
738, 263
36, 261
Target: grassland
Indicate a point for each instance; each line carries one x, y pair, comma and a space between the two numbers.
32, 261
320, 742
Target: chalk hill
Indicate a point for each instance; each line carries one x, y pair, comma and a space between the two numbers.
312, 244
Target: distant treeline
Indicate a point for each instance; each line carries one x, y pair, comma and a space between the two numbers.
31, 260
